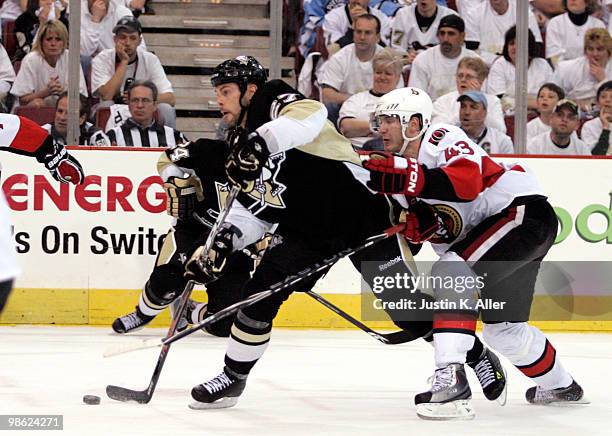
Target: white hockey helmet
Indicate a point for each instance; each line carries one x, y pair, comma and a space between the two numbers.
403, 103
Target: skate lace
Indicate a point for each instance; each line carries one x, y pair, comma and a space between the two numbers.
218, 383
442, 378
485, 372
131, 320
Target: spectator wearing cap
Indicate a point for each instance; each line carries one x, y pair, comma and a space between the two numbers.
489, 26
43, 75
350, 70
561, 139
472, 116
470, 76
354, 119
338, 24
141, 129
434, 69
114, 69
565, 33
581, 77
596, 132
502, 76
88, 133
415, 27
98, 18
548, 96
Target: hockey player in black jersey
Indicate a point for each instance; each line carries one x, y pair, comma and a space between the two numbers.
301, 180
195, 182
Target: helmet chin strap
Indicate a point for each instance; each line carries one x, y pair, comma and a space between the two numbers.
407, 139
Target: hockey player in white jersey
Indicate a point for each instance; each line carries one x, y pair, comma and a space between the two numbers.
483, 219
23, 136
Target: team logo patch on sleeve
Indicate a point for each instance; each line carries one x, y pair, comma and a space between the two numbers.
451, 225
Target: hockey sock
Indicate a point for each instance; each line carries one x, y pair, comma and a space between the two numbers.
529, 350
147, 303
248, 341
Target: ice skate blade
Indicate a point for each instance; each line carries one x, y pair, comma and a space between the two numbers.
454, 410
223, 403
503, 397
581, 402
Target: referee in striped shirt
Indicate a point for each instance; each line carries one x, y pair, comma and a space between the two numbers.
141, 129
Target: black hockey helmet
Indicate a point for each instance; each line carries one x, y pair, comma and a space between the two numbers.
241, 70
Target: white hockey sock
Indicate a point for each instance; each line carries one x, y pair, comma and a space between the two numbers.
147, 307
451, 348
529, 350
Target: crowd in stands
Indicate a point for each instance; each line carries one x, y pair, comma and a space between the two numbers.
463, 54
118, 76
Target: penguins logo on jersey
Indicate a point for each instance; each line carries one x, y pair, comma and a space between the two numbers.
268, 190
451, 224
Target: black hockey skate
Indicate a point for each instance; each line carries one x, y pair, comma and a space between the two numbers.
491, 375
219, 393
449, 396
573, 394
131, 322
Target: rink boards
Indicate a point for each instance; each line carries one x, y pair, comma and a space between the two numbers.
85, 252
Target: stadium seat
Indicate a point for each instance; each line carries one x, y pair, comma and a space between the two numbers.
40, 115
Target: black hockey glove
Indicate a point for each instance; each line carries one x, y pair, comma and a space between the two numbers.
248, 155
183, 194
62, 165
206, 267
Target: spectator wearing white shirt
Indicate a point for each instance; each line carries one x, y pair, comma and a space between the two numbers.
502, 76
596, 132
7, 77
98, 18
414, 28
434, 69
472, 116
113, 68
338, 25
565, 33
350, 70
492, 21
581, 77
548, 96
11, 9
354, 119
43, 75
470, 76
561, 139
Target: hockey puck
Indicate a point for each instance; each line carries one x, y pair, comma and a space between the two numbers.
91, 399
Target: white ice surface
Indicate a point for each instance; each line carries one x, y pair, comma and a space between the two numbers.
308, 382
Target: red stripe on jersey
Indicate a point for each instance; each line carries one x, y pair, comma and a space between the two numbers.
465, 177
541, 366
465, 254
491, 171
30, 136
454, 321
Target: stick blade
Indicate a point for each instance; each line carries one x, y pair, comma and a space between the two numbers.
123, 394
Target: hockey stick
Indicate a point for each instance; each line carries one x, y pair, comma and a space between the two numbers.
394, 338
277, 287
123, 394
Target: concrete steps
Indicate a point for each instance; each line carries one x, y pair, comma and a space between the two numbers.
210, 8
